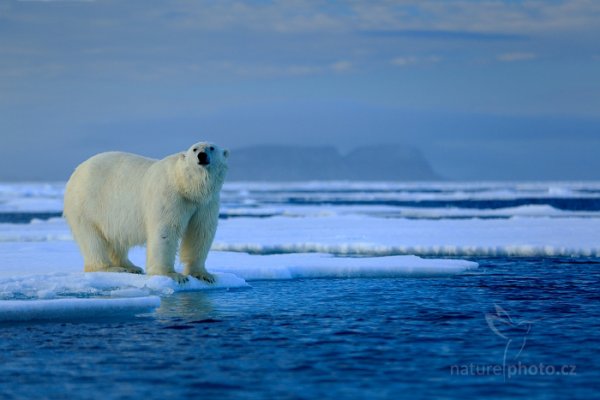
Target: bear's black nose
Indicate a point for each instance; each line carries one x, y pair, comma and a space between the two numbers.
203, 158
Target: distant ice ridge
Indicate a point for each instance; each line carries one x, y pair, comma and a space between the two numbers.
324, 211
47, 197
359, 235
31, 196
36, 231
413, 191
68, 309
556, 187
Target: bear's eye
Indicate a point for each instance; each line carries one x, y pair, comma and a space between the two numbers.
212, 148
195, 149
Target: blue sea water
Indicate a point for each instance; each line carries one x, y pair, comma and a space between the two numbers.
333, 338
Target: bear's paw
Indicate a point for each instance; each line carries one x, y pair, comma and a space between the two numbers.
177, 277
204, 276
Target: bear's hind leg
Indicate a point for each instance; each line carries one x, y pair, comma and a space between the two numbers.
118, 256
96, 254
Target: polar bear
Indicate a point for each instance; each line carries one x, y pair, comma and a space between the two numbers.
114, 201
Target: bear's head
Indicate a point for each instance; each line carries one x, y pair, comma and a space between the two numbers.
208, 155
204, 167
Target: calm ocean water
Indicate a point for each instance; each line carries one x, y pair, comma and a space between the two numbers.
331, 338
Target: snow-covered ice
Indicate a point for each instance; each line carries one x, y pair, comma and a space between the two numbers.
25, 275
368, 235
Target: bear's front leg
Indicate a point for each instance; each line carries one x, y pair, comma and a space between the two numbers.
196, 242
160, 254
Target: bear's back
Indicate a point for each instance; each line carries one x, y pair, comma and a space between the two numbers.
108, 171
106, 190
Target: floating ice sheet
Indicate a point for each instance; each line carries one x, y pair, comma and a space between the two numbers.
293, 266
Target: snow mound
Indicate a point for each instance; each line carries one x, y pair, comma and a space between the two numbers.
68, 309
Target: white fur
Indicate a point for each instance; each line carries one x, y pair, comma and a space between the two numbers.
115, 201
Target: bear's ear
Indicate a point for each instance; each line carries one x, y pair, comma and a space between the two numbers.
226, 153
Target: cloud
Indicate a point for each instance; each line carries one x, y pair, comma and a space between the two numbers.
453, 19
341, 66
443, 35
405, 61
286, 70
56, 1
476, 19
516, 56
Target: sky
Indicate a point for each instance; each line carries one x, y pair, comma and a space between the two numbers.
486, 90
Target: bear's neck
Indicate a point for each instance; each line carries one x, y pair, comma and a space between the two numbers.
198, 186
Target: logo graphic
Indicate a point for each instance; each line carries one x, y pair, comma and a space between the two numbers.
514, 332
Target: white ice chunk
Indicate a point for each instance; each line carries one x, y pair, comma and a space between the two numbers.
292, 266
67, 309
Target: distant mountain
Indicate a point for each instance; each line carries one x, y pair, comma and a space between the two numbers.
293, 163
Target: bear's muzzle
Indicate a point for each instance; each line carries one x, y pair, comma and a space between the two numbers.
203, 158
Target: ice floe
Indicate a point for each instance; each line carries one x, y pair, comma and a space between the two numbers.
294, 266
57, 273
